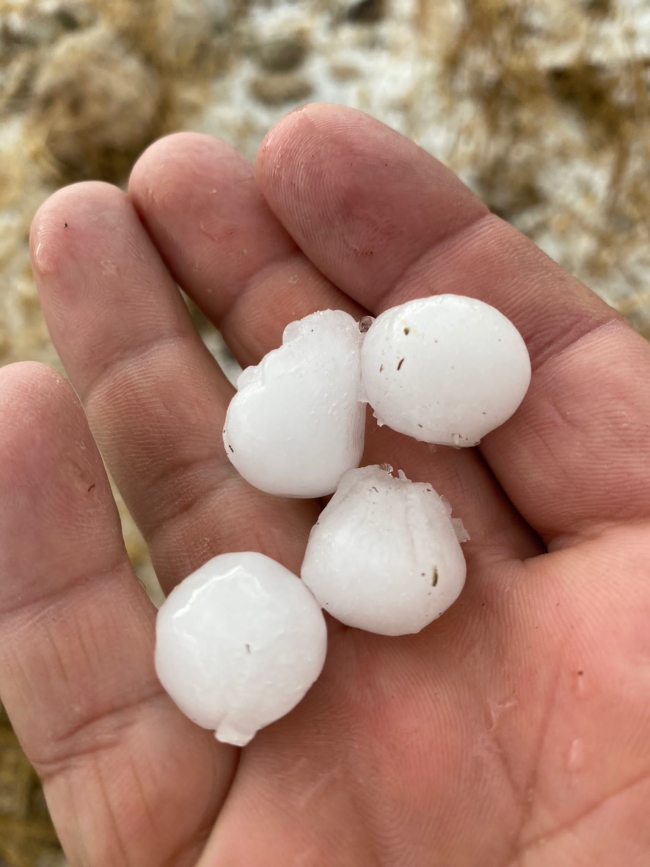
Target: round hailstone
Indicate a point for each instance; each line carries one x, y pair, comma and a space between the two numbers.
385, 554
297, 422
445, 369
238, 644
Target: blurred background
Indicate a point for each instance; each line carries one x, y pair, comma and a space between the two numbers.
541, 106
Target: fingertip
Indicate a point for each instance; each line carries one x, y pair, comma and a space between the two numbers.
29, 386
324, 134
287, 135
313, 115
40, 415
61, 224
168, 174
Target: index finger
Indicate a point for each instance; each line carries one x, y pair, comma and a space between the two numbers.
387, 222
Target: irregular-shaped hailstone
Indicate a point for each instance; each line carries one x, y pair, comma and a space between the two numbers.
445, 369
238, 644
385, 555
297, 422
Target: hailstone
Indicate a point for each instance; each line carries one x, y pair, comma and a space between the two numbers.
385, 554
238, 644
445, 369
297, 422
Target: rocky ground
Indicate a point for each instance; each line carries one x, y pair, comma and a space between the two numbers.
541, 106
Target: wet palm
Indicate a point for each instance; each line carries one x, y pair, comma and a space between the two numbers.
515, 729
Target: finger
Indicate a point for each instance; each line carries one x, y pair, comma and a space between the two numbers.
198, 198
387, 223
76, 647
155, 398
225, 247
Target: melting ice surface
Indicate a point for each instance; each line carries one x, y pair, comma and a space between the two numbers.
297, 422
238, 644
385, 554
445, 369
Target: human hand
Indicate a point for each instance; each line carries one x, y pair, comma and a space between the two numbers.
515, 729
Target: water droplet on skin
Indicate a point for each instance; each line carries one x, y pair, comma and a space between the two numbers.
576, 756
499, 708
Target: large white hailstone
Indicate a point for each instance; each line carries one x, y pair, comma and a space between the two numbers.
445, 369
385, 555
297, 422
238, 644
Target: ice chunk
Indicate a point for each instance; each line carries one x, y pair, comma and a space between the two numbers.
445, 369
384, 555
297, 422
239, 643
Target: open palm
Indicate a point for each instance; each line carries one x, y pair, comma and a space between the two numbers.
515, 729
